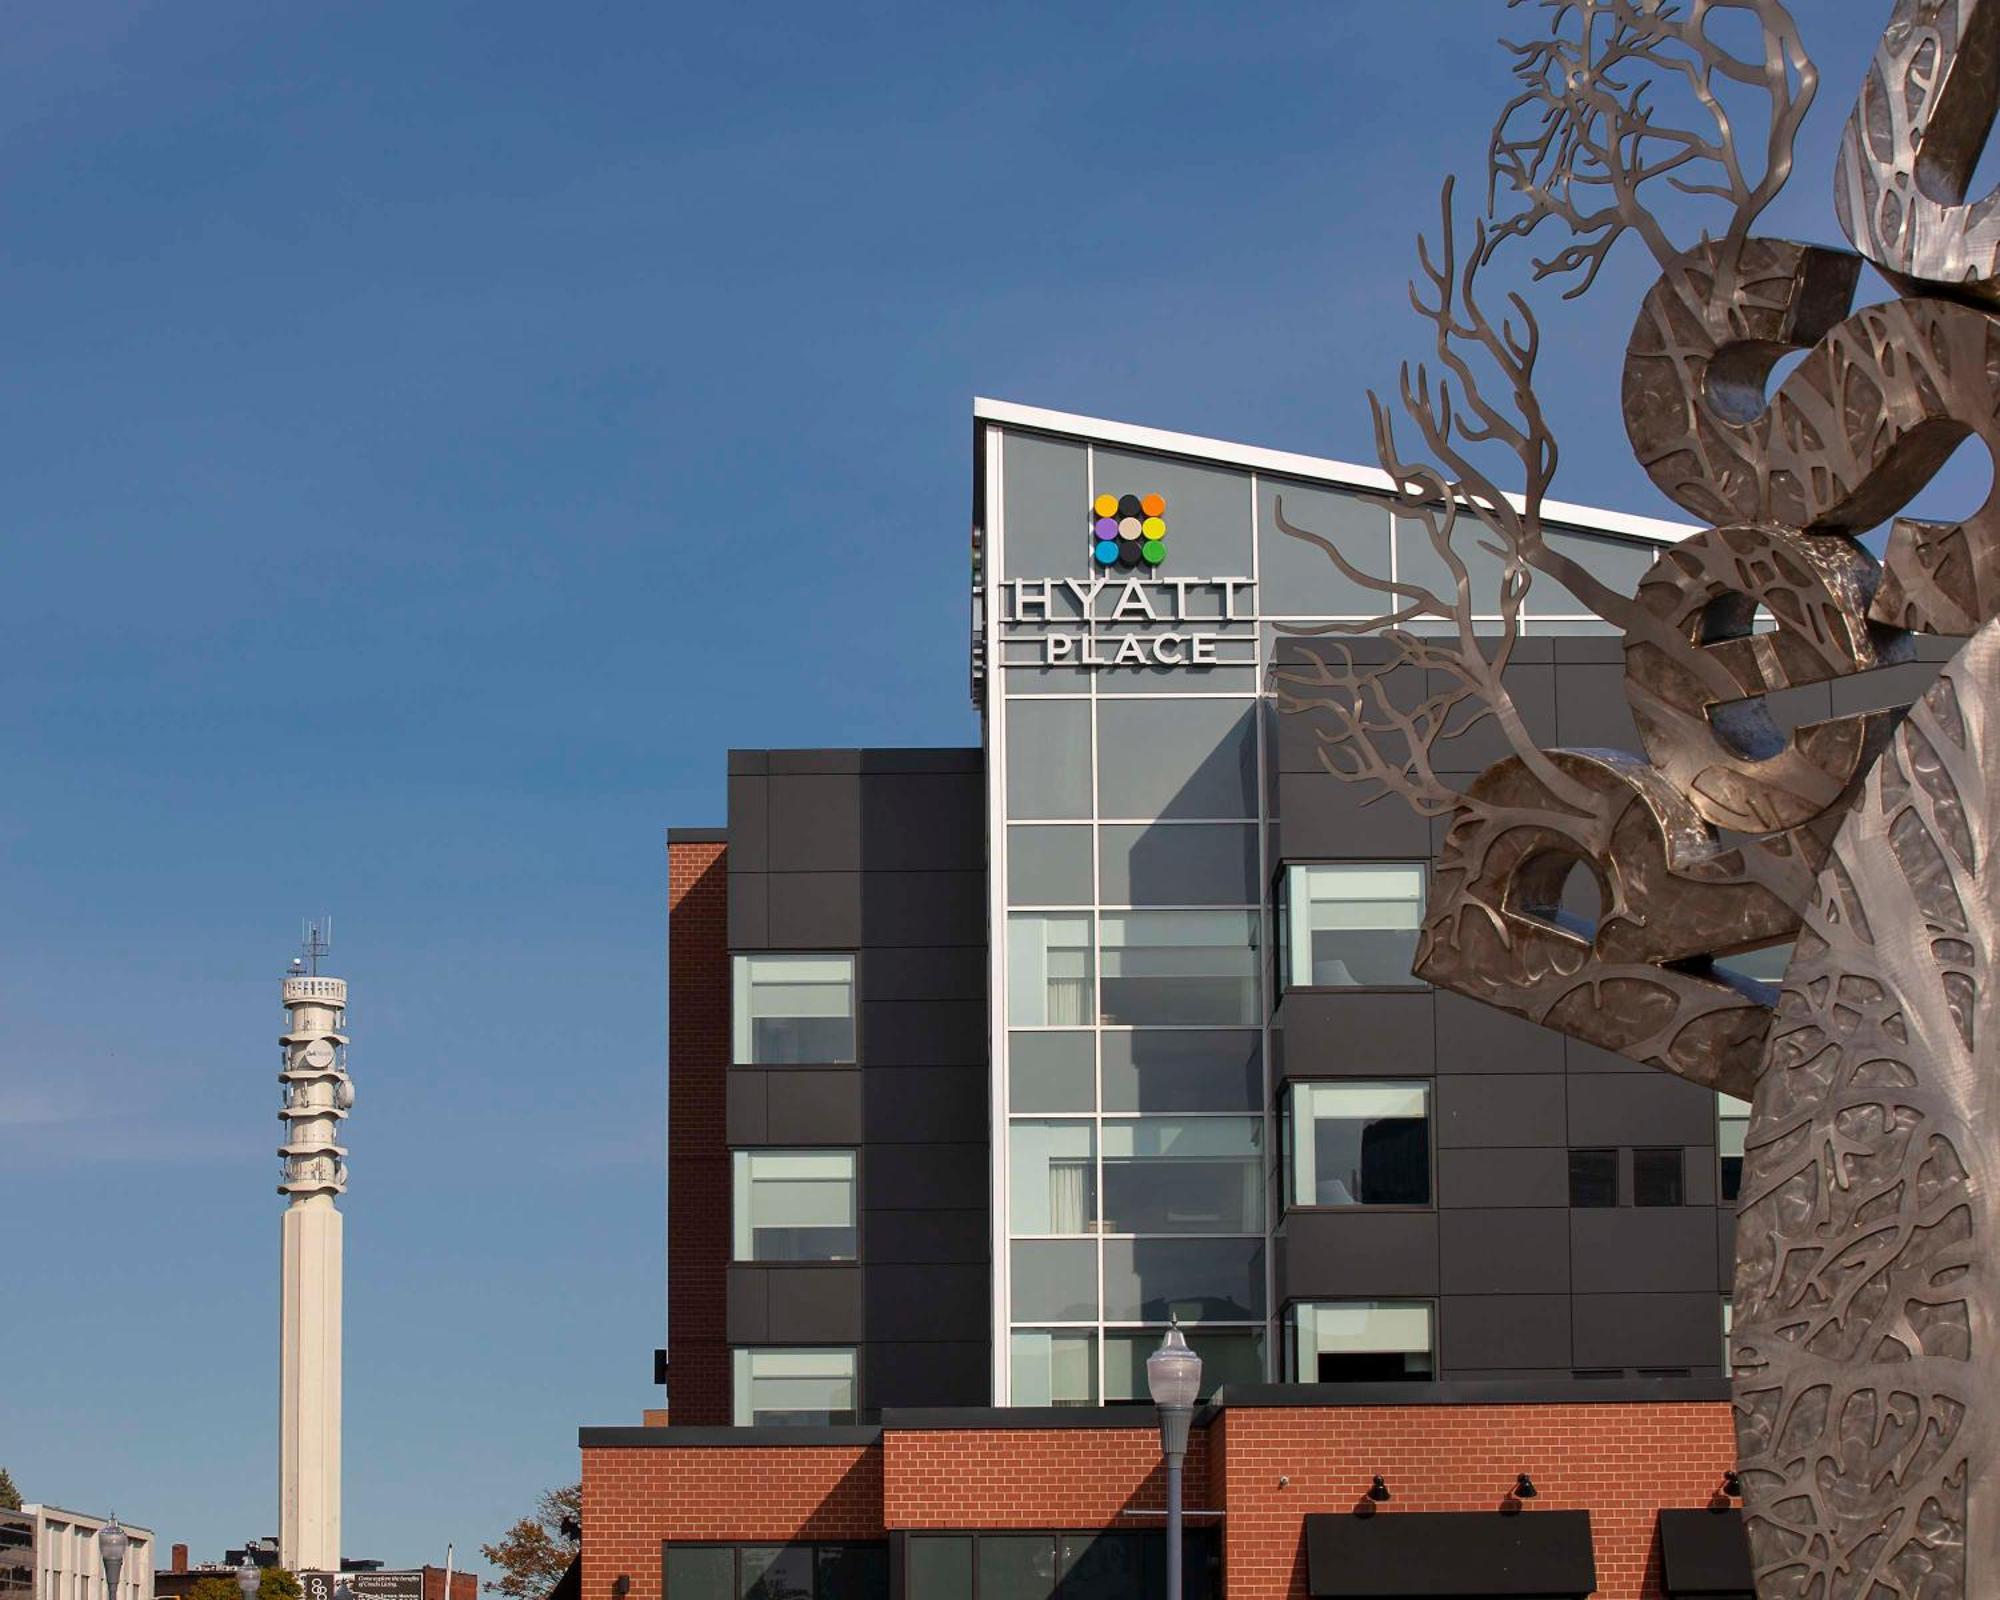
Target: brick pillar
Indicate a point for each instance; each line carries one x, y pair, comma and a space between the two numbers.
698, 1386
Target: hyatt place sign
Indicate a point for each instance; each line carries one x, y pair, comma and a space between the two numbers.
1132, 622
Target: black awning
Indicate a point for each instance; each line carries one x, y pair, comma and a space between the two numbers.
1417, 1553
1705, 1552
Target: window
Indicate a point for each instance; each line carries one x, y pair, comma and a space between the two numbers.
777, 1572
1732, 1124
1593, 1177
1657, 1177
793, 1009
1193, 968
1359, 1341
1359, 1144
795, 1205
1728, 1328
1184, 1175
1051, 1177
776, 1388
1052, 1367
1092, 1564
1351, 925
1228, 1356
1048, 970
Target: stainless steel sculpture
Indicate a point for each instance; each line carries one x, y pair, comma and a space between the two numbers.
1867, 1332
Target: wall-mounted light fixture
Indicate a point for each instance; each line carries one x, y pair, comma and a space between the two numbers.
1524, 1487
1732, 1484
1378, 1489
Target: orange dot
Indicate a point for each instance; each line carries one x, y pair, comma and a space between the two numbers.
1153, 504
1106, 505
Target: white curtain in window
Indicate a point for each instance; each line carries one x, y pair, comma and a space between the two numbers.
1364, 1327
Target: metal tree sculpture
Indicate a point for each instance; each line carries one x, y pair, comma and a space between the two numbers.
1866, 1298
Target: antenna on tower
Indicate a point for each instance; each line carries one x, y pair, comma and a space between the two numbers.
315, 940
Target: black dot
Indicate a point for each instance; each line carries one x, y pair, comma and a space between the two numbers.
1128, 552
1128, 506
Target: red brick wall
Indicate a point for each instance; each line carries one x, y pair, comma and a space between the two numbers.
634, 1498
1031, 1477
1621, 1463
697, 1153
464, 1585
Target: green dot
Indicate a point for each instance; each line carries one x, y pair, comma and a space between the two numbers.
1154, 551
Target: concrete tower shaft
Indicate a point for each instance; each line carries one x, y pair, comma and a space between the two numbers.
317, 1097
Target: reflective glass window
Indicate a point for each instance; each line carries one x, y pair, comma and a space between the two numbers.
794, 1205
775, 1387
939, 1567
1177, 864
1049, 866
1049, 969
1359, 1144
1189, 1280
1016, 1566
1359, 1341
851, 1571
1228, 1355
1184, 1175
1052, 1367
1051, 1071
775, 1572
1196, 968
1183, 1069
1593, 1177
1658, 1177
1051, 1177
1048, 759
1732, 1125
1054, 1280
1169, 757
701, 1572
1351, 924
792, 1009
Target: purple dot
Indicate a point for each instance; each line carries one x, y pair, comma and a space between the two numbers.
1105, 527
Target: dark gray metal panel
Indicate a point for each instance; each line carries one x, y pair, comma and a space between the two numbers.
1359, 1254
1504, 1252
1325, 819
927, 1177
1650, 1108
1492, 1110
1434, 1553
745, 1117
1701, 1175
1582, 1057
1641, 1249
940, 1300
749, 910
1330, 1034
1887, 686
1506, 1177
919, 1105
1725, 1248
747, 1311
923, 1033
814, 910
924, 972
931, 1373
1472, 1037
815, 823
923, 1236
923, 907
923, 822
1648, 1330
813, 761
1534, 692
1501, 1331
923, 758
749, 761
1590, 709
815, 1305
814, 1106
749, 815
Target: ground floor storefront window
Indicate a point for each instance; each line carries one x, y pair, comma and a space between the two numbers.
1094, 1564
776, 1572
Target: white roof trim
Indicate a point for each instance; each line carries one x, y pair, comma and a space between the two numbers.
1589, 519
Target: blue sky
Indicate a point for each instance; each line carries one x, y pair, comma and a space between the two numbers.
430, 434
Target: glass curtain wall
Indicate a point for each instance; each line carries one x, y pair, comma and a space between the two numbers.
1138, 1141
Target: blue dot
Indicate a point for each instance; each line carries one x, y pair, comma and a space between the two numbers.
1106, 552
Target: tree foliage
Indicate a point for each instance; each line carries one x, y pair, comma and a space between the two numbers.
275, 1583
10, 1497
213, 1586
537, 1550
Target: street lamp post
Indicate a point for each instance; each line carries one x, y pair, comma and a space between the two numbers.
248, 1578
1173, 1375
112, 1543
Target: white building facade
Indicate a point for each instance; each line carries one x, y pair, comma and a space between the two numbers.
66, 1562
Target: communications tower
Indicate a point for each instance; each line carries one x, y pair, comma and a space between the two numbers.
317, 1097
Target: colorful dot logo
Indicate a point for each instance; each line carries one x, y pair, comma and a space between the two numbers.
1127, 529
